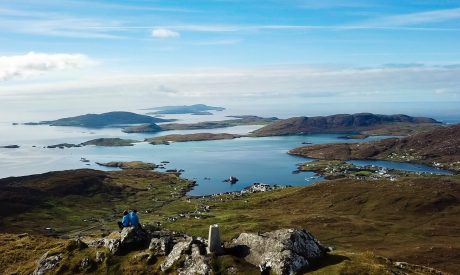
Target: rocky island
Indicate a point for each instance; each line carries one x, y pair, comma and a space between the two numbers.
190, 137
144, 128
361, 123
438, 148
110, 142
102, 120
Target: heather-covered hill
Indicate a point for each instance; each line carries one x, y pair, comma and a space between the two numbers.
341, 123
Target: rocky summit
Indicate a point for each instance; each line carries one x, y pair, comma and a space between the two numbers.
152, 250
284, 251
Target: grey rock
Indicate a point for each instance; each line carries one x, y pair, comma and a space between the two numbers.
86, 263
195, 263
285, 251
100, 256
132, 236
178, 250
47, 263
113, 245
161, 246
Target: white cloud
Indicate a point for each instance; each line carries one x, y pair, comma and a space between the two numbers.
164, 33
31, 64
403, 82
417, 18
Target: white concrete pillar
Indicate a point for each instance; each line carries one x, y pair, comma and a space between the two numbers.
214, 244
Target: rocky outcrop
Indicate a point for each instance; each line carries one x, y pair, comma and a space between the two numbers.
178, 250
285, 251
133, 237
47, 263
161, 246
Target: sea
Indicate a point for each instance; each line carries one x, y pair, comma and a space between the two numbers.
209, 163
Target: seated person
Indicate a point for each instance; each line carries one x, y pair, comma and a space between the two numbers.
134, 219
125, 221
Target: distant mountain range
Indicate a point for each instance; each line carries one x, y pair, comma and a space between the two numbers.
102, 120
341, 123
196, 109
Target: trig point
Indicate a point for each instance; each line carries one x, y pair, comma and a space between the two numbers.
214, 245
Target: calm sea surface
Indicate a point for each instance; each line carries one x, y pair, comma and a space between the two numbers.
208, 162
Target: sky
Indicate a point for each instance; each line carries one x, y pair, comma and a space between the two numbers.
326, 56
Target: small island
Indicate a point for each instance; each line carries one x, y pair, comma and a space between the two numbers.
110, 119
144, 128
195, 109
14, 146
110, 142
135, 165
190, 137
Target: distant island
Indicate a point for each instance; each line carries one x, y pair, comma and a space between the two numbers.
438, 148
126, 165
196, 109
144, 128
110, 142
190, 137
237, 121
361, 123
102, 120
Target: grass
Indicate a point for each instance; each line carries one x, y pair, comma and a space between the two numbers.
414, 219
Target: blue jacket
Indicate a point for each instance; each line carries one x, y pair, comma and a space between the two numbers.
125, 220
134, 219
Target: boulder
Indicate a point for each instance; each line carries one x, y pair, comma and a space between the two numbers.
196, 262
113, 245
161, 246
178, 250
285, 251
100, 256
132, 237
47, 263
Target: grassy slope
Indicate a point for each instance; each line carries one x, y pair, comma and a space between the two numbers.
414, 219
70, 201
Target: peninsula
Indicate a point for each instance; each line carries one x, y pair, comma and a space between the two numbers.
237, 121
438, 148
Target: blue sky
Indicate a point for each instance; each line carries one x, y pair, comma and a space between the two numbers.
56, 52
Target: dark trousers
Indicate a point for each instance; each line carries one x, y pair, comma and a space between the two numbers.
120, 224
